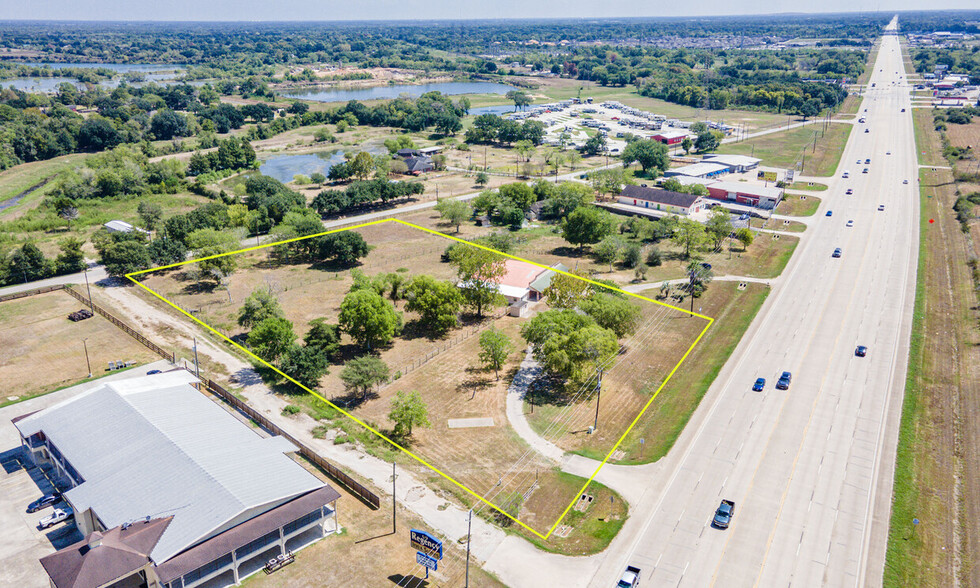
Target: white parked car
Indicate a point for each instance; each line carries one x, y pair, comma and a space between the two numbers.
59, 515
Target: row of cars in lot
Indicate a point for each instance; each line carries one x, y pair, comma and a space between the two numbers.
62, 512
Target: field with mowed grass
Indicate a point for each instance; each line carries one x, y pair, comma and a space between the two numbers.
41, 350
817, 148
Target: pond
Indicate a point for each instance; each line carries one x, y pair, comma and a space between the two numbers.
499, 110
284, 167
394, 91
116, 67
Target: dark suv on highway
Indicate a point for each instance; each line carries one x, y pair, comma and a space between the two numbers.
784, 380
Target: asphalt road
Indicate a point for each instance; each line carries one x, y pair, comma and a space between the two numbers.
810, 468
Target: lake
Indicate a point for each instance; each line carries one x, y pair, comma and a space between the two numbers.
394, 91
284, 167
116, 67
51, 84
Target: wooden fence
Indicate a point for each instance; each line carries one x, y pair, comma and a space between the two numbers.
31, 292
168, 355
359, 490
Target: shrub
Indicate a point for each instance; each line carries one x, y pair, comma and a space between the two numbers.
290, 409
654, 258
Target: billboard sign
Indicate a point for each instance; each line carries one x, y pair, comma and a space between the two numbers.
425, 543
430, 563
768, 176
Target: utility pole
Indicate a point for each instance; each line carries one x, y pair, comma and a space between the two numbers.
87, 363
197, 366
598, 396
89, 290
394, 514
469, 529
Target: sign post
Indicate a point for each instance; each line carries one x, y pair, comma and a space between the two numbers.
428, 562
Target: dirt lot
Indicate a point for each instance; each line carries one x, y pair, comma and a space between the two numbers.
41, 350
380, 559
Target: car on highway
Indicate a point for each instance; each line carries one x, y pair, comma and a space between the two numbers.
830, 213
903, 110
154, 372
59, 515
846, 174
630, 579
837, 252
867, 130
867, 162
44, 502
861, 351
888, 152
881, 207
784, 381
864, 171
905, 181
849, 223
760, 384
723, 516
849, 191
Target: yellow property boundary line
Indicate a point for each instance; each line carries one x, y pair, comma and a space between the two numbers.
545, 536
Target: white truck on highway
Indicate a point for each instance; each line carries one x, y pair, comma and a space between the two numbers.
630, 579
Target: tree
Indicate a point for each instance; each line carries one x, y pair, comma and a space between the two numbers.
407, 411
519, 194
167, 124
126, 257
608, 250
479, 272
745, 236
212, 246
617, 314
698, 277
361, 374
707, 141
482, 179
520, 98
345, 247
719, 226
568, 344
361, 165
454, 211
151, 214
368, 319
566, 197
98, 134
632, 255
164, 251
306, 365
71, 259
690, 235
323, 337
260, 305
810, 108
687, 144
586, 225
67, 209
271, 338
594, 145
650, 154
566, 291
437, 303
495, 346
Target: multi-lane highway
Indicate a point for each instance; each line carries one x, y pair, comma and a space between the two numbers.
808, 468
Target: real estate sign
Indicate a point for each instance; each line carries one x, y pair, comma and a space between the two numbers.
425, 544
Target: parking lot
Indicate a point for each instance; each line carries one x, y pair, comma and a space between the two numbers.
22, 544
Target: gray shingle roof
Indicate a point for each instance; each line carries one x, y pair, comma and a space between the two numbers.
154, 446
662, 196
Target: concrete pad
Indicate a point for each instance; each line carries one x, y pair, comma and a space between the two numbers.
470, 423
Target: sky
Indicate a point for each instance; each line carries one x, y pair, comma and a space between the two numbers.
332, 10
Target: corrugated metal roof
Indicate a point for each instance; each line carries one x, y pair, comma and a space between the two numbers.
154, 446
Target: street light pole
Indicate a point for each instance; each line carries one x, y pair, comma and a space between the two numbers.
469, 535
394, 514
88, 364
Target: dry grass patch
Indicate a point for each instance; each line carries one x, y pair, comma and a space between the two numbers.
41, 350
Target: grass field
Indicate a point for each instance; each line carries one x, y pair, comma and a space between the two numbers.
22, 177
798, 205
808, 186
663, 422
786, 148
777, 225
935, 479
445, 370
41, 350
